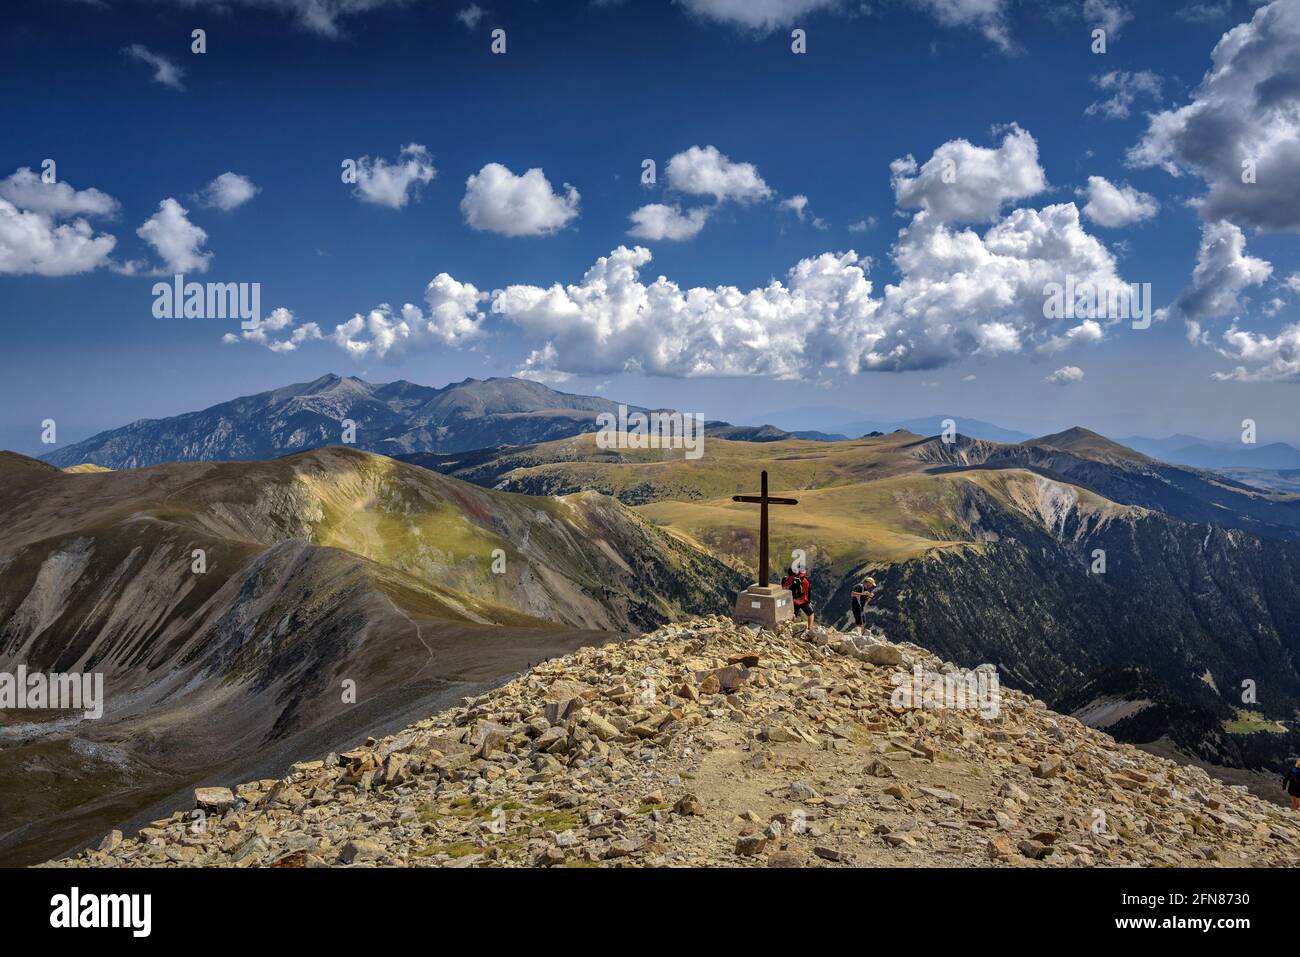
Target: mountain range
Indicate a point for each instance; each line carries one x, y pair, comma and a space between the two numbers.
845, 422
989, 551
1208, 454
403, 418
390, 418
494, 531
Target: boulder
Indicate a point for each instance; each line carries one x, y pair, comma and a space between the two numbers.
750, 845
213, 800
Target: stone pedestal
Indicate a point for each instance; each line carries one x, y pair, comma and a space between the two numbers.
764, 604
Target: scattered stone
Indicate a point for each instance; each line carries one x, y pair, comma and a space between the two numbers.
1000, 848
1049, 767
1034, 849
749, 845
213, 800
798, 791
360, 850
689, 804
629, 845
573, 765
944, 797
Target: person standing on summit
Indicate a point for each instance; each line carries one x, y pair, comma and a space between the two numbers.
799, 586
1291, 784
862, 595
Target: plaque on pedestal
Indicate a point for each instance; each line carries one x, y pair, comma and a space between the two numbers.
764, 604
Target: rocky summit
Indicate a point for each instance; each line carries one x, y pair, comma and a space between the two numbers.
706, 743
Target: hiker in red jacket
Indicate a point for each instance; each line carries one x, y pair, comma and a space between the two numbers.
801, 589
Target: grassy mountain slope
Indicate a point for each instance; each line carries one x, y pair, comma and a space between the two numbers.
328, 566
654, 474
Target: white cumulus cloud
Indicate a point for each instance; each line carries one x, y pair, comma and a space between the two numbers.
1116, 206
989, 17
278, 332
1066, 375
612, 321
25, 190
177, 241
227, 191
33, 242
960, 292
498, 201
454, 318
33, 237
1089, 332
657, 221
394, 184
1109, 15
757, 14
1263, 358
1241, 131
470, 16
968, 183
1223, 272
705, 171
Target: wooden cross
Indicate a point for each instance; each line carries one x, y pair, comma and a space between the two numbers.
763, 501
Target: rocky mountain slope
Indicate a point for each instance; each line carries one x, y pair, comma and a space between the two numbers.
328, 567
708, 744
1092, 461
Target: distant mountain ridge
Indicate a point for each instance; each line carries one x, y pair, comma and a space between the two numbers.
391, 418
1209, 454
835, 422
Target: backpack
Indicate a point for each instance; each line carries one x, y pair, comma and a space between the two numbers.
796, 587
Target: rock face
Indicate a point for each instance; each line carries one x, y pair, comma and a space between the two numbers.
639, 754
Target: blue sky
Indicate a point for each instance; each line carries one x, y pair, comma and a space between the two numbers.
783, 157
